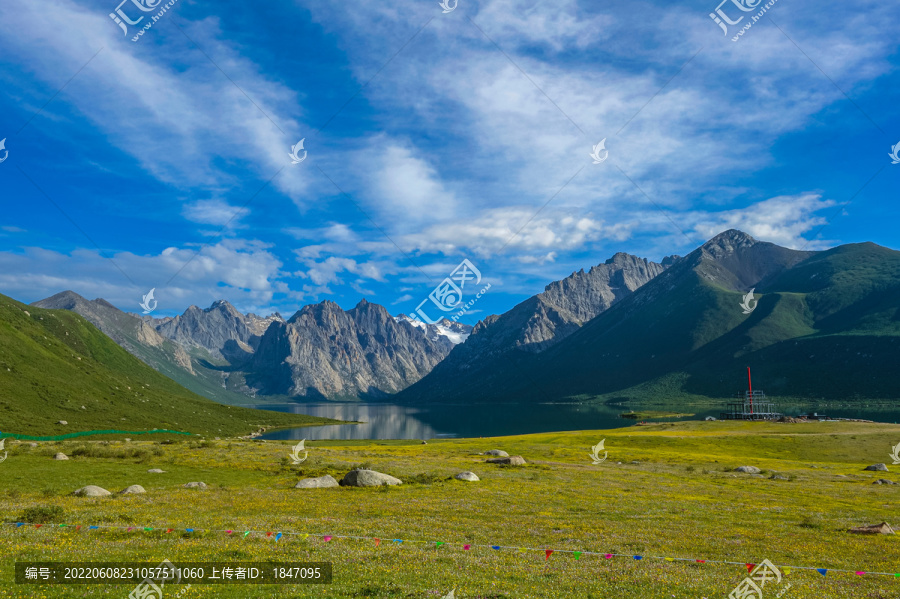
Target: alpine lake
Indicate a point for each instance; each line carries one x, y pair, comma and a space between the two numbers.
379, 420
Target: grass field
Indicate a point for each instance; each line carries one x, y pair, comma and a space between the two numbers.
680, 500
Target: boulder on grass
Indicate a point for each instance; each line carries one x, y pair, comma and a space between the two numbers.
321, 482
874, 529
368, 478
92, 491
884, 481
515, 460
499, 453
877, 468
195, 485
60, 456
133, 489
467, 476
747, 469
155, 471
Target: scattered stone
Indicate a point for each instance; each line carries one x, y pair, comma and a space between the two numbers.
92, 491
368, 478
757, 476
424, 442
134, 489
32, 444
195, 485
778, 477
874, 529
877, 468
61, 422
467, 476
884, 481
321, 482
83, 408
155, 471
60, 456
515, 460
747, 469
710, 418
497, 453
635, 462
618, 462
128, 440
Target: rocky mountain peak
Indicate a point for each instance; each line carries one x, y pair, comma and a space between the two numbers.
728, 242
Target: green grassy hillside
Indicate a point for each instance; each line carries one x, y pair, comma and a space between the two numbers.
54, 366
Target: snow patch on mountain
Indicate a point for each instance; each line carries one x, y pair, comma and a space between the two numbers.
455, 332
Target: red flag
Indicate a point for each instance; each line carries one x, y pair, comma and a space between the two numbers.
377, 542
549, 552
750, 567
169, 529
466, 547
38, 525
701, 561
78, 527
268, 534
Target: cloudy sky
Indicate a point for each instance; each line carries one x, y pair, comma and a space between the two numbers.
431, 137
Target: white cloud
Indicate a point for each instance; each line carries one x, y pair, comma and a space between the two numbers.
782, 220
180, 122
244, 271
213, 212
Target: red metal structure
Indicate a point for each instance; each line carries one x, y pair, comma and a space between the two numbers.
750, 384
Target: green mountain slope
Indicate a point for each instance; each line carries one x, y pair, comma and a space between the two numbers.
53, 362
827, 325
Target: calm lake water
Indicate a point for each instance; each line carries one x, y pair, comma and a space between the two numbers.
390, 421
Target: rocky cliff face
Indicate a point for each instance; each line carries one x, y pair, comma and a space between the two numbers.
220, 329
324, 351
540, 322
543, 320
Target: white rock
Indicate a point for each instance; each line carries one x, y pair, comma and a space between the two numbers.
92, 491
321, 482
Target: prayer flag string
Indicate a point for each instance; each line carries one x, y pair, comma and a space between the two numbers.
438, 544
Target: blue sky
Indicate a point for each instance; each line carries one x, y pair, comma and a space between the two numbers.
431, 137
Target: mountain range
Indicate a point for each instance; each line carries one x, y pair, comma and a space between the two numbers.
823, 324
59, 375
321, 352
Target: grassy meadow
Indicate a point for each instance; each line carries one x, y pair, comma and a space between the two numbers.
679, 500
